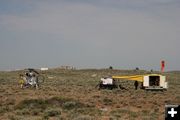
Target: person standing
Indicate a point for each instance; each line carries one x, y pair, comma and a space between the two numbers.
136, 85
21, 80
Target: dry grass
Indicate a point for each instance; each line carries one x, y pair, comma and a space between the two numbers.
71, 94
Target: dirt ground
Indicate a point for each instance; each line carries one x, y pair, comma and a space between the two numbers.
71, 95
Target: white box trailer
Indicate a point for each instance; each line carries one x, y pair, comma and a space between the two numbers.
155, 81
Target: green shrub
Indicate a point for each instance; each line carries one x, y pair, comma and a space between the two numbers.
4, 109
72, 105
52, 112
45, 117
23, 112
58, 101
32, 104
107, 101
12, 117
133, 114
145, 112
36, 111
88, 111
119, 112
84, 117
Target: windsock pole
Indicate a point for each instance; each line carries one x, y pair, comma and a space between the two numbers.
162, 65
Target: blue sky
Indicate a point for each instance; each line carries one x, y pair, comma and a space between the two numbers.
89, 34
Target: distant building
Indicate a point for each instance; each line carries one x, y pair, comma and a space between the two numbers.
68, 67
44, 69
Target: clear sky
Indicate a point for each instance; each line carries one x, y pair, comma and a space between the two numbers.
124, 34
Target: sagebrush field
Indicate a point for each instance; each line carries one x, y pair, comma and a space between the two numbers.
72, 95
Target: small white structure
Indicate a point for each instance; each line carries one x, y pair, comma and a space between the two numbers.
44, 69
155, 81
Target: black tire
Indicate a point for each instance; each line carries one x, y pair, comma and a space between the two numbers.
41, 79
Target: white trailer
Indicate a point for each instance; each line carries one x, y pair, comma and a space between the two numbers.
155, 81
